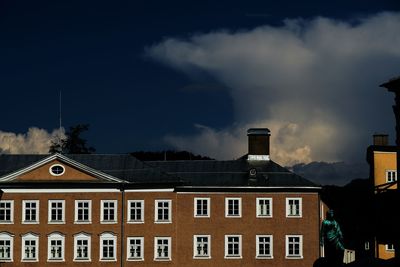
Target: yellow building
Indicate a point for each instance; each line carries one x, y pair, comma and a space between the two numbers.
383, 172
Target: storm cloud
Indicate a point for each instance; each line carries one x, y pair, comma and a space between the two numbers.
314, 83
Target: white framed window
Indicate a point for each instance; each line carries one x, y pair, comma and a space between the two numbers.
6, 247
233, 246
389, 247
264, 207
163, 211
201, 246
202, 207
108, 247
294, 246
56, 211
109, 211
135, 211
56, 247
6, 211
264, 246
391, 176
82, 247
293, 207
30, 211
162, 248
83, 211
30, 247
135, 249
233, 207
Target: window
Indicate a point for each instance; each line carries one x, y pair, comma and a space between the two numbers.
83, 211
264, 246
264, 207
135, 211
108, 247
163, 211
6, 247
201, 207
30, 211
109, 211
391, 176
201, 246
30, 247
390, 247
56, 170
6, 211
293, 207
56, 211
82, 247
55, 247
294, 246
162, 248
233, 207
135, 249
233, 246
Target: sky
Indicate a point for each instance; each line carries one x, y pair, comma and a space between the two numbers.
157, 75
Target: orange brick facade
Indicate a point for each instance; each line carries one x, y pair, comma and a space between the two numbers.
181, 230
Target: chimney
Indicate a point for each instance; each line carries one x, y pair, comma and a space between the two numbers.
258, 144
381, 139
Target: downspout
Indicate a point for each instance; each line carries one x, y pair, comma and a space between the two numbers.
319, 226
122, 226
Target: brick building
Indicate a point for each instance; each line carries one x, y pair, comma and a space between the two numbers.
381, 158
114, 210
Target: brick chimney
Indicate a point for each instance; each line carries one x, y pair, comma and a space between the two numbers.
258, 144
381, 139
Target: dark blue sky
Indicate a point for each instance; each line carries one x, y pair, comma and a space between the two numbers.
94, 52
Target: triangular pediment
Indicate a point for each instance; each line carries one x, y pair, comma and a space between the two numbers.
58, 168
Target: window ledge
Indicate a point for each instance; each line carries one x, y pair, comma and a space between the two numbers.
264, 257
233, 257
162, 259
202, 257
108, 222
135, 222
135, 259
294, 257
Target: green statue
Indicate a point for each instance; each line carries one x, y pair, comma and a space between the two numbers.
332, 240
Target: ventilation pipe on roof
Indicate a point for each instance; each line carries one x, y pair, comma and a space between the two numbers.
258, 144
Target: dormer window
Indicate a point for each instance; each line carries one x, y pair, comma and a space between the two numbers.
56, 170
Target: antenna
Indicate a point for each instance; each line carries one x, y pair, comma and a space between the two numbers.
60, 111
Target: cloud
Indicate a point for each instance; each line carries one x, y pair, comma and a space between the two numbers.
314, 83
35, 141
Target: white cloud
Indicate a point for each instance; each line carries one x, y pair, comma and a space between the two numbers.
35, 141
314, 83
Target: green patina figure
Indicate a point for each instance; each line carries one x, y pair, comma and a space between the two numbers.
332, 240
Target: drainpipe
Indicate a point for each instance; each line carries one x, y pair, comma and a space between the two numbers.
122, 239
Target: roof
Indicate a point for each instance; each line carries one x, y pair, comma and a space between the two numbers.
233, 173
121, 166
200, 173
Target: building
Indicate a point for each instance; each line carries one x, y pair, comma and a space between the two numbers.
383, 172
114, 210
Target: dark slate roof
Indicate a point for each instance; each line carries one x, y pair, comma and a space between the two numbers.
125, 167
232, 173
191, 173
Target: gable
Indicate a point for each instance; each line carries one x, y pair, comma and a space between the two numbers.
44, 173
58, 167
